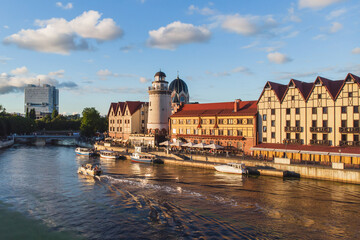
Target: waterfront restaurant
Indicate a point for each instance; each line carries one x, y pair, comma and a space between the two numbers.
229, 124
316, 121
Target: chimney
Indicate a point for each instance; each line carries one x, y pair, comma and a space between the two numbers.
236, 105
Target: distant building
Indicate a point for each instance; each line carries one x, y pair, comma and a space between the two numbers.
179, 93
316, 121
126, 118
44, 99
159, 105
229, 124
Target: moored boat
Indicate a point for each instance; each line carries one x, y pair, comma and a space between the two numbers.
107, 154
237, 168
84, 151
142, 157
90, 170
6, 142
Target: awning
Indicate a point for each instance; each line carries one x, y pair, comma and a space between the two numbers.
261, 149
287, 150
314, 152
344, 154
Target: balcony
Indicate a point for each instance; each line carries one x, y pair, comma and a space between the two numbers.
349, 129
293, 129
320, 142
292, 141
350, 143
320, 129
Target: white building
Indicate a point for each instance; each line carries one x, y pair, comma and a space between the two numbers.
159, 105
44, 99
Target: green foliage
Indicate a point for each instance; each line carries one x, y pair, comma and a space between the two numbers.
92, 122
10, 124
58, 123
32, 114
54, 114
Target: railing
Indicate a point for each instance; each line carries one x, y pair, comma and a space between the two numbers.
158, 88
320, 142
320, 129
349, 129
293, 129
350, 143
292, 141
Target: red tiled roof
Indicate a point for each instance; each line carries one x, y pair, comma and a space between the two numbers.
246, 108
326, 149
279, 89
112, 106
303, 87
333, 86
132, 105
121, 106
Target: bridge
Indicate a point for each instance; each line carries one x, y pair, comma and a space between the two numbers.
42, 138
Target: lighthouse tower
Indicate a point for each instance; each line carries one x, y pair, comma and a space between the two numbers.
159, 105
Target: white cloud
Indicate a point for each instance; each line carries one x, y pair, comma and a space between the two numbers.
105, 73
4, 59
17, 81
203, 11
278, 58
292, 34
320, 37
316, 4
57, 35
177, 33
243, 70
144, 80
292, 17
6, 26
20, 71
356, 50
335, 27
336, 13
67, 6
248, 25
251, 45
59, 73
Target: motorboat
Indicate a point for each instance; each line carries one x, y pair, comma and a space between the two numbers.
237, 168
107, 154
144, 158
84, 151
90, 170
4, 143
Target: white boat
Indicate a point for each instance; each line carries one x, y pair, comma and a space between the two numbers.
84, 151
6, 143
107, 154
238, 168
90, 170
143, 157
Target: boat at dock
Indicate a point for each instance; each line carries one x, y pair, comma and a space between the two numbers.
84, 151
90, 170
237, 168
9, 141
107, 154
143, 157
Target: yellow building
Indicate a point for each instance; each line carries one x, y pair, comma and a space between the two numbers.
316, 121
230, 124
127, 118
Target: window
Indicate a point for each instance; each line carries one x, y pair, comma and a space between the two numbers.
350, 94
297, 136
343, 123
229, 132
356, 138
319, 96
288, 123
273, 123
142, 112
313, 123
250, 121
221, 132
343, 137
288, 111
221, 121
297, 123
292, 98
343, 109
264, 128
117, 129
264, 117
297, 110
325, 123
325, 110
272, 111
356, 123
188, 131
325, 137
239, 133
196, 121
212, 121
120, 129
142, 121
288, 136
212, 132
188, 121
314, 110
269, 99
230, 121
264, 139
314, 136
356, 109
273, 135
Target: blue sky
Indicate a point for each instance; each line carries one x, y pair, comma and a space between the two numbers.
98, 52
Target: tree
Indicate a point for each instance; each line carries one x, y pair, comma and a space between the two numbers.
54, 114
91, 122
32, 114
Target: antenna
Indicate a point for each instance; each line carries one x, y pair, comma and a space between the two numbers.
178, 74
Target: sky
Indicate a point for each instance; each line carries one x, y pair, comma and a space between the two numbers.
98, 52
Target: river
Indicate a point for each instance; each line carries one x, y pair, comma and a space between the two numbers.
42, 197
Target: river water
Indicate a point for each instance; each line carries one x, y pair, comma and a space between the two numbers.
42, 197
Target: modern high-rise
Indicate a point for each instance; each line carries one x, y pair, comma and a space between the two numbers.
44, 99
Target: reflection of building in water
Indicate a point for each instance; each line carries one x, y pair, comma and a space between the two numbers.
316, 121
230, 124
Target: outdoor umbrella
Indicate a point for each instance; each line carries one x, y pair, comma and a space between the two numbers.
166, 143
177, 144
199, 145
214, 146
189, 144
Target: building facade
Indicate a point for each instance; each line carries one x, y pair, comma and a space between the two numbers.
179, 93
159, 105
229, 124
126, 118
44, 99
312, 120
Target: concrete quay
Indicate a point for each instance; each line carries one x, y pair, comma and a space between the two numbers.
257, 167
